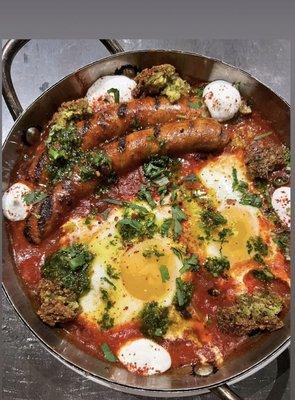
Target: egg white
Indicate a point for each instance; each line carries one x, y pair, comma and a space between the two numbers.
101, 86
104, 241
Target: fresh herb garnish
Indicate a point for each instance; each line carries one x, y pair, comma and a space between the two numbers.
154, 320
184, 292
211, 220
145, 194
199, 91
69, 267
116, 202
164, 273
34, 197
108, 355
223, 235
112, 273
137, 223
247, 197
257, 248
263, 135
177, 252
195, 105
152, 252
283, 241
190, 264
178, 216
217, 265
115, 92
264, 275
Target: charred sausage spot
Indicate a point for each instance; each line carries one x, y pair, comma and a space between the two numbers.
122, 110
157, 131
121, 144
45, 212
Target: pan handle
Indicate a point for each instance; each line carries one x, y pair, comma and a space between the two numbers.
10, 50
225, 393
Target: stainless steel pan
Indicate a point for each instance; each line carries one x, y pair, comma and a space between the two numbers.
176, 383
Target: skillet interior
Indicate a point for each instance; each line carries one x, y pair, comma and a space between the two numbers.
178, 382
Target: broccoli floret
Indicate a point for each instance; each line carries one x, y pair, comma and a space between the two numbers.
57, 304
161, 79
264, 157
154, 320
258, 311
69, 111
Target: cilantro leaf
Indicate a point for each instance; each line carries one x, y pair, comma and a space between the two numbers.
108, 355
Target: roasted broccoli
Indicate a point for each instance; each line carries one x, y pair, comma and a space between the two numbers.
263, 158
57, 304
258, 311
161, 79
70, 111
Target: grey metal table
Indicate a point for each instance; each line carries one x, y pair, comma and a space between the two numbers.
29, 371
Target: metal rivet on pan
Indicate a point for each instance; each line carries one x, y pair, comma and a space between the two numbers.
32, 135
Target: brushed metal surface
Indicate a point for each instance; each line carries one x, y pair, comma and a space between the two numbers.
85, 78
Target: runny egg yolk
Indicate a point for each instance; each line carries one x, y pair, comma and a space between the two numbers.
141, 268
243, 223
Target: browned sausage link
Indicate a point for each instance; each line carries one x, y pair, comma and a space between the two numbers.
37, 171
117, 119
202, 134
48, 214
172, 138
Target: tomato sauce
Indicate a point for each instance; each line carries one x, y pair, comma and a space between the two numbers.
210, 293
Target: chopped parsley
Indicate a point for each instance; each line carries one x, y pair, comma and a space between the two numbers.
152, 252
264, 275
145, 194
158, 170
112, 273
34, 197
106, 321
199, 91
154, 320
91, 163
248, 198
183, 295
257, 248
211, 220
164, 273
283, 241
217, 265
115, 92
174, 223
69, 267
137, 223
63, 146
108, 355
190, 264
195, 105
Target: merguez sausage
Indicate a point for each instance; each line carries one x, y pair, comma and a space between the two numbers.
118, 119
173, 138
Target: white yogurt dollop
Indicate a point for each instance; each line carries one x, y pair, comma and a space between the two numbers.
281, 202
13, 204
101, 86
222, 100
144, 357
